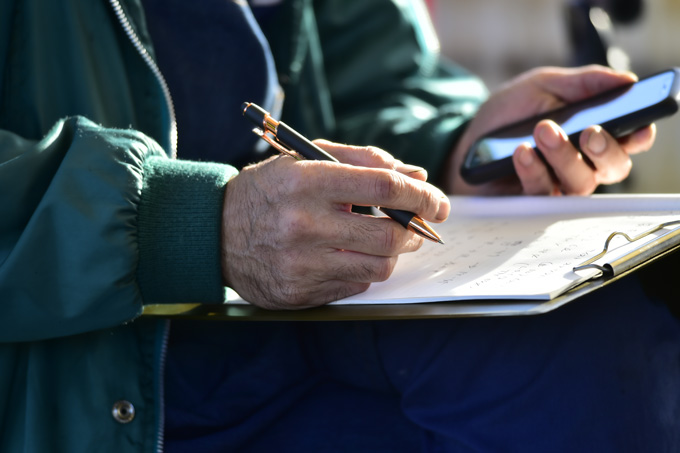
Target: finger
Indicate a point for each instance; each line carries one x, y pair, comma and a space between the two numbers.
371, 156
348, 266
378, 236
412, 171
639, 141
297, 297
574, 84
611, 163
338, 274
345, 230
371, 187
532, 172
573, 173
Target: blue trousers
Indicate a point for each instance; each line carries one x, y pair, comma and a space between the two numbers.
601, 374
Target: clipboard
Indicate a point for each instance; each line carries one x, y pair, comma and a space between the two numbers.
646, 248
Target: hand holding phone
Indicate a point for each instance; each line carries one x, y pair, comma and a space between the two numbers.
619, 111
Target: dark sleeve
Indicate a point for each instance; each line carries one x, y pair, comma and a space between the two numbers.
95, 222
388, 83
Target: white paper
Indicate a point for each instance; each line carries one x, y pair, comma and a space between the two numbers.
517, 247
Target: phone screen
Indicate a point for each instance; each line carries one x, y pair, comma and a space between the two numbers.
576, 117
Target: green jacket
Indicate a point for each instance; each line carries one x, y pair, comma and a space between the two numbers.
97, 219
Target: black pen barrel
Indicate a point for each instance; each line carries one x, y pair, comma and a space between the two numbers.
402, 217
294, 140
254, 113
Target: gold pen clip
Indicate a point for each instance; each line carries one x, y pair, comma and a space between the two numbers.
268, 131
271, 139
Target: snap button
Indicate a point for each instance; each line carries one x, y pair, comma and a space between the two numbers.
123, 411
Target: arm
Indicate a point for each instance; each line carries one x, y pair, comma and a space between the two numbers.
100, 223
91, 229
391, 89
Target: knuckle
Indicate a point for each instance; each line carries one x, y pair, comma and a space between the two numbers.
391, 239
293, 223
378, 154
429, 201
298, 179
383, 269
387, 185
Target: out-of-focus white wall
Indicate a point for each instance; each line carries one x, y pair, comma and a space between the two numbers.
498, 39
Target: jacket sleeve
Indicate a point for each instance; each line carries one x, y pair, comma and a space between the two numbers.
389, 85
96, 222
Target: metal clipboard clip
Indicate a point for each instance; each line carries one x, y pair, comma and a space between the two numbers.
638, 255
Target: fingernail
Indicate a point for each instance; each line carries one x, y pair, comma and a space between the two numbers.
526, 156
408, 168
444, 209
596, 142
550, 136
631, 74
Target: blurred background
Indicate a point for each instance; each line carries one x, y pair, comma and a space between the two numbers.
498, 39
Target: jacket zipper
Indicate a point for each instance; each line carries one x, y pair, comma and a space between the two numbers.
137, 43
160, 435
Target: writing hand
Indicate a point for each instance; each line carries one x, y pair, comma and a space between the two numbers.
290, 239
564, 171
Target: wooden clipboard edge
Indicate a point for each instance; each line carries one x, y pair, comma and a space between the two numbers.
457, 309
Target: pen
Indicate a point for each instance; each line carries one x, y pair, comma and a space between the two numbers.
286, 140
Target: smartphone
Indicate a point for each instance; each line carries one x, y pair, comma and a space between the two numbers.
619, 111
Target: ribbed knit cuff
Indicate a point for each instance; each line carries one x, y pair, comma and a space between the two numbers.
179, 226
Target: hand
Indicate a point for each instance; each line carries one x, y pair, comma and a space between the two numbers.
566, 172
290, 239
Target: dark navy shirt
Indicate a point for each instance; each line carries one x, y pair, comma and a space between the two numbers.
214, 57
